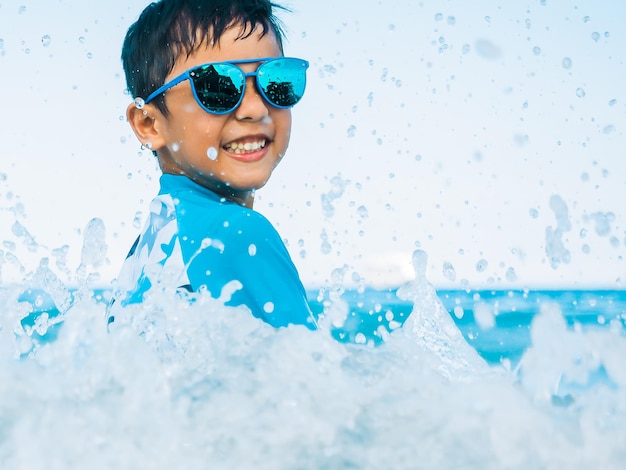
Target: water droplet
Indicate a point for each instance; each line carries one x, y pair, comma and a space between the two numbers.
362, 210
89, 55
448, 271
613, 102
528, 23
511, 275
466, 49
488, 19
252, 249
439, 17
481, 265
351, 131
211, 153
566, 63
139, 103
536, 50
587, 19
370, 98
21, 10
608, 129
391, 27
580, 92
45, 40
399, 83
595, 36
268, 307
534, 213
606, 34
451, 20
330, 68
303, 35
175, 146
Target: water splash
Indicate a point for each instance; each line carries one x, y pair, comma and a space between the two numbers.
555, 247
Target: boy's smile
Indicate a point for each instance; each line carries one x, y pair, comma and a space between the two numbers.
232, 154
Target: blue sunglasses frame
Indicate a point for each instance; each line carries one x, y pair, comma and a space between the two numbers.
189, 75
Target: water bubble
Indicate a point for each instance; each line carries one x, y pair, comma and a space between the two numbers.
268, 307
351, 130
303, 35
534, 213
606, 34
438, 16
21, 10
175, 146
566, 63
613, 102
481, 265
370, 98
45, 40
466, 49
81, 39
330, 68
608, 129
398, 83
488, 19
580, 92
89, 55
586, 19
383, 77
211, 153
528, 23
595, 36
362, 211
451, 20
536, 50
139, 103
391, 27
586, 249
584, 177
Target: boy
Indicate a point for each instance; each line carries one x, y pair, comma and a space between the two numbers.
213, 94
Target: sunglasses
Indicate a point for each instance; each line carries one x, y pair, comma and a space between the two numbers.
219, 87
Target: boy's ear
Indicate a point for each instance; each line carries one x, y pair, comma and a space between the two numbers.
144, 123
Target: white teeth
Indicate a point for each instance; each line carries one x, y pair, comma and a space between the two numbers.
247, 147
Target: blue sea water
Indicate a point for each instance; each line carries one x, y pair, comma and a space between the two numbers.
401, 378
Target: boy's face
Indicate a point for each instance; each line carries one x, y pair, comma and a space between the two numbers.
205, 147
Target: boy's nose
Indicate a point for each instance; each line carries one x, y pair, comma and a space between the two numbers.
253, 106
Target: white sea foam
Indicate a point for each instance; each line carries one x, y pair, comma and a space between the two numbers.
184, 382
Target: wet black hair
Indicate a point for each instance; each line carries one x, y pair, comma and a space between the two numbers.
168, 29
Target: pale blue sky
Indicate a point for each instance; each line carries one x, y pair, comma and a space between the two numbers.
446, 126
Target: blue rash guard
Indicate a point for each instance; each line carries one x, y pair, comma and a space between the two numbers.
195, 238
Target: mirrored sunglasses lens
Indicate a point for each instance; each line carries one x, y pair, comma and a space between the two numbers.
218, 87
283, 81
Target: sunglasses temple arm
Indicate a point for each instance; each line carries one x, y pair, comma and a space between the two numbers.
167, 86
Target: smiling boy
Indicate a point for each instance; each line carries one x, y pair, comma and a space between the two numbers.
213, 94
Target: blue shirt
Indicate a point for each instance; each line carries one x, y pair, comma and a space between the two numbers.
194, 238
